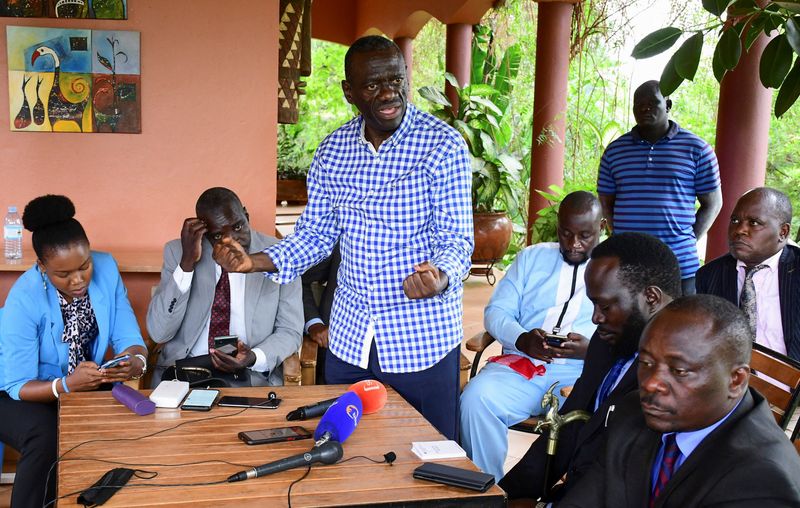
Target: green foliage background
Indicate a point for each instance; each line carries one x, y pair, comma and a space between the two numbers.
599, 106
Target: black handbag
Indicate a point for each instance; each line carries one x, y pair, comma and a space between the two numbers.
199, 372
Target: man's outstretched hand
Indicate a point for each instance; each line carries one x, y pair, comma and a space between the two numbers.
425, 282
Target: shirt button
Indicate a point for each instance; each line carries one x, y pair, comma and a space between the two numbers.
371, 288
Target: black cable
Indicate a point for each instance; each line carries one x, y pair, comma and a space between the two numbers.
289, 493
103, 440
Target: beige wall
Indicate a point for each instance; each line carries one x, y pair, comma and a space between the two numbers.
209, 93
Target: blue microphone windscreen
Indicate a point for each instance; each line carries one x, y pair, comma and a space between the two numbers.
340, 419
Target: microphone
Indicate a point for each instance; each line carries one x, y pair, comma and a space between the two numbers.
340, 420
371, 392
328, 452
311, 410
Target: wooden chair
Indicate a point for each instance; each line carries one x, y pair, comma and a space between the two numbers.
783, 402
478, 343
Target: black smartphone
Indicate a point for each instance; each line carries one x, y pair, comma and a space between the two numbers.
114, 362
554, 340
200, 400
256, 402
277, 435
226, 344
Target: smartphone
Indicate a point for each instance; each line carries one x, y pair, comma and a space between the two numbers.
256, 402
200, 400
280, 434
226, 344
554, 340
114, 362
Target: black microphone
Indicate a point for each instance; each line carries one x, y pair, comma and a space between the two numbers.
311, 411
326, 453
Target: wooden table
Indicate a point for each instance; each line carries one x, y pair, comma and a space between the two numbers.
96, 415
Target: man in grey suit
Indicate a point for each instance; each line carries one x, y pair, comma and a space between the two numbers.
196, 301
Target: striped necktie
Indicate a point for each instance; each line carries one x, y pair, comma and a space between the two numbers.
666, 468
747, 300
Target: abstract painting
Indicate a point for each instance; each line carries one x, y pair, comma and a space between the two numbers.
73, 80
92, 9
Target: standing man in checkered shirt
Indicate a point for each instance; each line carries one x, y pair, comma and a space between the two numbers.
393, 185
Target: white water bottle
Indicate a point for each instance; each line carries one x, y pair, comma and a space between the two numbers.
12, 234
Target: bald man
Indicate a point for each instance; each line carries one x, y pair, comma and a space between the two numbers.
694, 435
649, 179
543, 293
761, 273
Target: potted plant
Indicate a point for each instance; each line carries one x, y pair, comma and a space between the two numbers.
293, 167
483, 118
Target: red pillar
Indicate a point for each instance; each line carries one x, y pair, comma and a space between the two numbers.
406, 45
458, 57
549, 101
743, 118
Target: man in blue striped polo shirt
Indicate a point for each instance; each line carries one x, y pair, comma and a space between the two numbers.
649, 179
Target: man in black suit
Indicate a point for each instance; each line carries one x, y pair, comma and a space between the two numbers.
762, 268
629, 278
318, 313
695, 434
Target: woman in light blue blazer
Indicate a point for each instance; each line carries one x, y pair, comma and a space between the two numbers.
60, 318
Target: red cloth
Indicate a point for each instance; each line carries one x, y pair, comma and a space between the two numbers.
220, 310
523, 366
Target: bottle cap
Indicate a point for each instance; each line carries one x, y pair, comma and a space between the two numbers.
12, 209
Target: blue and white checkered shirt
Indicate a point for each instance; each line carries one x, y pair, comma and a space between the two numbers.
406, 203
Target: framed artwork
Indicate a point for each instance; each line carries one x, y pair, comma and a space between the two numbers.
73, 80
90, 9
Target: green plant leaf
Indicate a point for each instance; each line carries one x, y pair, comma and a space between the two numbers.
775, 62
687, 58
486, 103
742, 8
789, 6
730, 49
670, 80
435, 96
793, 33
756, 28
656, 42
512, 164
716, 65
468, 133
489, 149
508, 70
481, 90
716, 7
452, 80
789, 91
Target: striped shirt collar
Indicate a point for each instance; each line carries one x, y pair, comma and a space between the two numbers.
674, 128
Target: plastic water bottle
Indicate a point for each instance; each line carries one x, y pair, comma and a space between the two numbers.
12, 234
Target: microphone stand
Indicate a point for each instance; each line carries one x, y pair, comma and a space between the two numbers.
554, 421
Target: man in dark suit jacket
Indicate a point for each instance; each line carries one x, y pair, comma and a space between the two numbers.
758, 235
629, 278
694, 435
318, 312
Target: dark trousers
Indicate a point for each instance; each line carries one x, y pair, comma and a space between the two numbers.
433, 392
688, 286
31, 428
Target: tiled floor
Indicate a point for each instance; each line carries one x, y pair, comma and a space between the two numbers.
476, 294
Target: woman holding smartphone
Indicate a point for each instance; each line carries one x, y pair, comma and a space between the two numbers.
60, 318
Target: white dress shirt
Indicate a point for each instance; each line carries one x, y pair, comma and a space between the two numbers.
769, 324
237, 322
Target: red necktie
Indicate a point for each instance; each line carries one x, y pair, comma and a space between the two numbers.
671, 453
220, 310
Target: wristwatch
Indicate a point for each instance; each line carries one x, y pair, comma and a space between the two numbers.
144, 366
